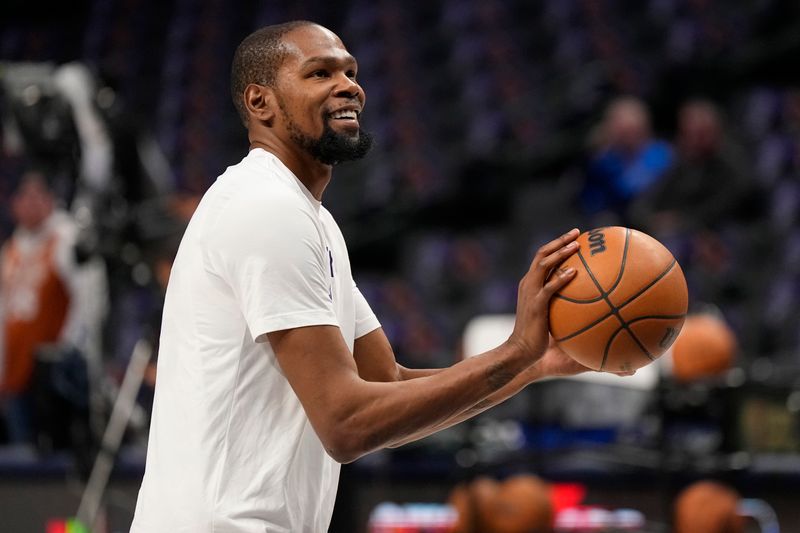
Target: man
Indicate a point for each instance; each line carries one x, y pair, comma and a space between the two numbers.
710, 184
40, 306
710, 210
272, 368
628, 161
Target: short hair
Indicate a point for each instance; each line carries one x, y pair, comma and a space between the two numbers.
33, 175
704, 107
257, 60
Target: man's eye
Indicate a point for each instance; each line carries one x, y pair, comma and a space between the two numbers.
351, 74
320, 74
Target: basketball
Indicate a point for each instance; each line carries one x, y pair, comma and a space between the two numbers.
705, 347
483, 491
472, 503
709, 507
626, 304
459, 500
521, 505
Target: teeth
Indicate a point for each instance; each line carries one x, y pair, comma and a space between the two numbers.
344, 114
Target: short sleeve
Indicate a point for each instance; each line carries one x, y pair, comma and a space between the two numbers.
269, 251
366, 321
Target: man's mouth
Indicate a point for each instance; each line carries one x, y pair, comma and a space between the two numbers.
349, 114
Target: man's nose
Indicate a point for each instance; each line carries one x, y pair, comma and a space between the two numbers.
348, 87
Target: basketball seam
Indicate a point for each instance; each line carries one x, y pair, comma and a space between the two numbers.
621, 306
613, 285
603, 297
576, 301
646, 287
630, 332
657, 317
615, 310
623, 327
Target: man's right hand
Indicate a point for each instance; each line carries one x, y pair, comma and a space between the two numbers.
531, 329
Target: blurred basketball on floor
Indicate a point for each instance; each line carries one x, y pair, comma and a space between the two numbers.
520, 504
707, 507
459, 500
705, 347
625, 306
483, 492
471, 502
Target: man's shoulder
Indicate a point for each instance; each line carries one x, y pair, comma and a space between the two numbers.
249, 203
258, 185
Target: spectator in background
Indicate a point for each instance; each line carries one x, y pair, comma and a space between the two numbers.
38, 284
628, 160
697, 211
709, 184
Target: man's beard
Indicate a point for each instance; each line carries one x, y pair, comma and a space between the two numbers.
332, 148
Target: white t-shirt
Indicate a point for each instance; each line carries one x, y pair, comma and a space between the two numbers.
231, 449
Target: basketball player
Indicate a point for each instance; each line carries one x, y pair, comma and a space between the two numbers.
272, 368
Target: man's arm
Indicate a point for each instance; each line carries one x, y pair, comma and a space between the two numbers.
376, 362
353, 416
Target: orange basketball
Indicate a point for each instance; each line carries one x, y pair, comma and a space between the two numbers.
460, 500
626, 304
709, 507
483, 491
705, 347
521, 505
472, 503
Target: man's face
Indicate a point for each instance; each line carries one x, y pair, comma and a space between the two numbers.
32, 204
319, 99
699, 133
628, 128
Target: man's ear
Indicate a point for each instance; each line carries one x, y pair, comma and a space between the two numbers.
260, 103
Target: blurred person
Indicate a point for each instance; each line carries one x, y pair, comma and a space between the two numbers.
706, 210
272, 368
627, 161
710, 183
38, 284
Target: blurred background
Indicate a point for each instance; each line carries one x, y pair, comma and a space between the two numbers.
499, 124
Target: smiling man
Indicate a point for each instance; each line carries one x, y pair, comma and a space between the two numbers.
272, 368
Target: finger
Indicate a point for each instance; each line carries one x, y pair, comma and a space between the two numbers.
558, 257
559, 279
547, 266
554, 245
560, 242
